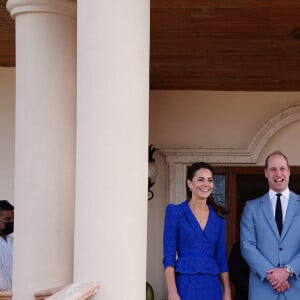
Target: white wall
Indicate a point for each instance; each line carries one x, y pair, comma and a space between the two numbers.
7, 128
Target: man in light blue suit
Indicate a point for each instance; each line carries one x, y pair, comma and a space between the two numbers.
272, 247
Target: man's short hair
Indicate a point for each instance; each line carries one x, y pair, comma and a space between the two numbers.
277, 152
5, 205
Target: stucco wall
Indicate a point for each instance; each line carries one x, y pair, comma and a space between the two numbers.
212, 119
286, 140
7, 128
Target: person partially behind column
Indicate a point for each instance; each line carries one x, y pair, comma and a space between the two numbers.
6, 244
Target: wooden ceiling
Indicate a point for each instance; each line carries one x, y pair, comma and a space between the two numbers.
225, 44
213, 44
7, 37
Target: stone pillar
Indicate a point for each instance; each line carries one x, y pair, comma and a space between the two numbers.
45, 144
112, 147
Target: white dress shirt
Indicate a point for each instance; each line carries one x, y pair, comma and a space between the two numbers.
284, 201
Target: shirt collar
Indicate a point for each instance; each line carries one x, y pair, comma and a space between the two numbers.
285, 193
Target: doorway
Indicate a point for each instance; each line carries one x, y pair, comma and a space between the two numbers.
243, 184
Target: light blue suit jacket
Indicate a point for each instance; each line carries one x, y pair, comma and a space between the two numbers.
264, 249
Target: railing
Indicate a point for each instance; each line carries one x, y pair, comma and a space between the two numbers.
73, 291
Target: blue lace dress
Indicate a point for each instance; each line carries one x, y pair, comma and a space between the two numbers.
198, 256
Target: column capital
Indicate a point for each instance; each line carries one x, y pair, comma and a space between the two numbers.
61, 7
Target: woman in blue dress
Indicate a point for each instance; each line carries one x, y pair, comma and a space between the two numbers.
195, 259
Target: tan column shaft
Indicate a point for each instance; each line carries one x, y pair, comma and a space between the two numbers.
112, 147
45, 144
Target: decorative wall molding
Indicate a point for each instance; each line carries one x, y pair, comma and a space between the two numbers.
179, 158
61, 7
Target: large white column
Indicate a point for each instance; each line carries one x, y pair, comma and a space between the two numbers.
45, 144
112, 146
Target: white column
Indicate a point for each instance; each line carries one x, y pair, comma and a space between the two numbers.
45, 144
112, 146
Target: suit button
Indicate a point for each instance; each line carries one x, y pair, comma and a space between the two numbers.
280, 249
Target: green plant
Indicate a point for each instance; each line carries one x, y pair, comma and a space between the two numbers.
149, 291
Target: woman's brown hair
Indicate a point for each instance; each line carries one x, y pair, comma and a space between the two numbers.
191, 171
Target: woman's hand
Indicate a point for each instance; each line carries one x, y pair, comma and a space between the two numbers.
227, 295
173, 296
226, 286
171, 283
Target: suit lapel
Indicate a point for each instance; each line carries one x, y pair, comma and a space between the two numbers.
267, 210
192, 218
293, 206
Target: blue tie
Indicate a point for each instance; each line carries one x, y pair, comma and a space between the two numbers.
278, 214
